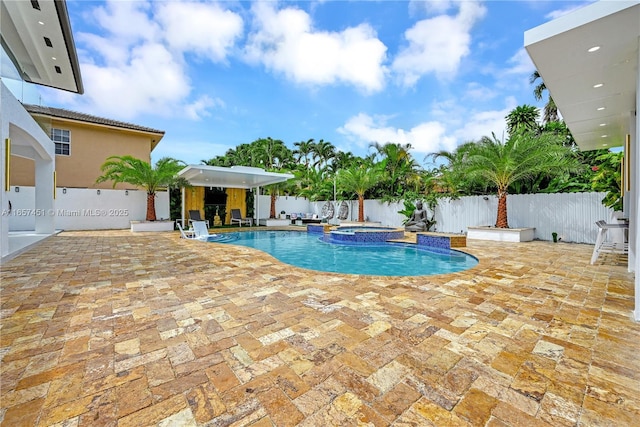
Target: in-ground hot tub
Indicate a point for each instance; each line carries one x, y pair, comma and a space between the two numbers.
363, 234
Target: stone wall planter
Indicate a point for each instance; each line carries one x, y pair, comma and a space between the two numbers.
138, 226
501, 234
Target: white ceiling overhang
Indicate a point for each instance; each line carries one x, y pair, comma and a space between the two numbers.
233, 177
598, 116
37, 37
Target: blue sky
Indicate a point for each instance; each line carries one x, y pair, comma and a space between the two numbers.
214, 75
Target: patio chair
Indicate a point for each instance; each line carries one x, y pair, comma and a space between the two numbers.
605, 243
201, 230
236, 216
194, 215
185, 234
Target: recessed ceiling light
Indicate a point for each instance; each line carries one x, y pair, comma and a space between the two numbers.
604, 145
604, 136
40, 22
598, 85
603, 124
54, 58
593, 49
600, 108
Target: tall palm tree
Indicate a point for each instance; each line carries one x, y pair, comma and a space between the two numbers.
550, 109
323, 152
522, 157
271, 153
141, 174
358, 180
401, 169
303, 150
523, 117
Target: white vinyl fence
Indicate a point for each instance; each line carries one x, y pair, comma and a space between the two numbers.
85, 209
571, 215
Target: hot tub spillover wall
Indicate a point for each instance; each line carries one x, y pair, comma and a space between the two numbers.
359, 235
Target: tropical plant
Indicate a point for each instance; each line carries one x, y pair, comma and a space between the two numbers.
522, 157
523, 118
608, 178
401, 170
140, 173
358, 180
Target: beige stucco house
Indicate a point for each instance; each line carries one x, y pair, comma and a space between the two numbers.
82, 144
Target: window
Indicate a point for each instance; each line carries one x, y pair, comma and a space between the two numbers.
62, 139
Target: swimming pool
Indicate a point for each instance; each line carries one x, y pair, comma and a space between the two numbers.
306, 250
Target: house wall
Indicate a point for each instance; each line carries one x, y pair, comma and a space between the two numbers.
89, 148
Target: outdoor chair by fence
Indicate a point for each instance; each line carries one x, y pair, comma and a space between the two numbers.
236, 216
194, 215
606, 243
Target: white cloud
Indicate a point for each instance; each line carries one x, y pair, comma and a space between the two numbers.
150, 81
484, 123
437, 45
431, 6
137, 66
425, 138
205, 29
520, 63
286, 42
475, 91
450, 130
199, 108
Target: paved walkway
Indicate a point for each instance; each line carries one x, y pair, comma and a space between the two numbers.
111, 328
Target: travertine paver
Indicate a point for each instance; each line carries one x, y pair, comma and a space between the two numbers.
117, 329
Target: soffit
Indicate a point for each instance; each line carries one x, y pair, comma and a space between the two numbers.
597, 117
27, 27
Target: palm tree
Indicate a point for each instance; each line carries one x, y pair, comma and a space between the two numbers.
141, 174
402, 171
303, 150
358, 180
522, 157
550, 109
323, 152
523, 117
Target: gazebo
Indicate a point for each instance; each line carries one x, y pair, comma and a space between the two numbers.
234, 177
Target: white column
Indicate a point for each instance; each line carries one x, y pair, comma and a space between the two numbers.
182, 207
4, 195
45, 217
256, 205
634, 131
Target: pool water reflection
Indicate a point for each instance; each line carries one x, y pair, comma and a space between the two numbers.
308, 251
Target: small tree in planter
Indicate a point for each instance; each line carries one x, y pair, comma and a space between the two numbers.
137, 172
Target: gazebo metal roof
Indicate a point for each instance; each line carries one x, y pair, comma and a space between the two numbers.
232, 177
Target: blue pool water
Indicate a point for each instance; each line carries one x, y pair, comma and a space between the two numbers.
306, 250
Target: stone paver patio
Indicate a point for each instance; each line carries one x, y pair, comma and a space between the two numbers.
114, 329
